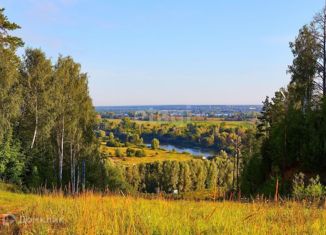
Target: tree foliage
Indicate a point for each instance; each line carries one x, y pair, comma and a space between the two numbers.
47, 118
291, 127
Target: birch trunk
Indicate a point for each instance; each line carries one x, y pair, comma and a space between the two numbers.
36, 125
61, 152
77, 183
72, 183
238, 156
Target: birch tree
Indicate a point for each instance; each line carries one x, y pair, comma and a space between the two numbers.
36, 80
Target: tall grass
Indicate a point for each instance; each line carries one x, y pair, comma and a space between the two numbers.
95, 214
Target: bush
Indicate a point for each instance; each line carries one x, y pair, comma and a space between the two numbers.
315, 189
113, 143
312, 191
118, 153
9, 187
12, 160
130, 152
140, 153
298, 187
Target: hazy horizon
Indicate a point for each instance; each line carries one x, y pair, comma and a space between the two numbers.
145, 105
185, 52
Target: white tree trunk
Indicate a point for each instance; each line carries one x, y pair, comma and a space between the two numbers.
36, 125
61, 152
72, 168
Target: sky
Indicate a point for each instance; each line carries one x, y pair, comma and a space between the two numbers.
151, 52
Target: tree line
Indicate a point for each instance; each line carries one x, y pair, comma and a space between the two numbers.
292, 126
215, 136
183, 176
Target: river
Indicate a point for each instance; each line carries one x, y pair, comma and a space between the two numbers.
199, 152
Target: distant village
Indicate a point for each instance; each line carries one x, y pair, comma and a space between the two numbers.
181, 113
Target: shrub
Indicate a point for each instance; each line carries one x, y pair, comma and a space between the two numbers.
298, 187
118, 152
12, 160
315, 189
130, 152
140, 153
312, 191
113, 143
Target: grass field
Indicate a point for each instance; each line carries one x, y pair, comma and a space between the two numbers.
182, 123
151, 155
95, 214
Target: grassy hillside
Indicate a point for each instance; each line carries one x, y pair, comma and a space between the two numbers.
94, 214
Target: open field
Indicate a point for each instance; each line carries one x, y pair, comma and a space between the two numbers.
151, 155
182, 123
95, 214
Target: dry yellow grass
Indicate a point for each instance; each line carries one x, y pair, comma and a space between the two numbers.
94, 214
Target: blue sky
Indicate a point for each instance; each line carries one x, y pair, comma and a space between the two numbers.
169, 52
